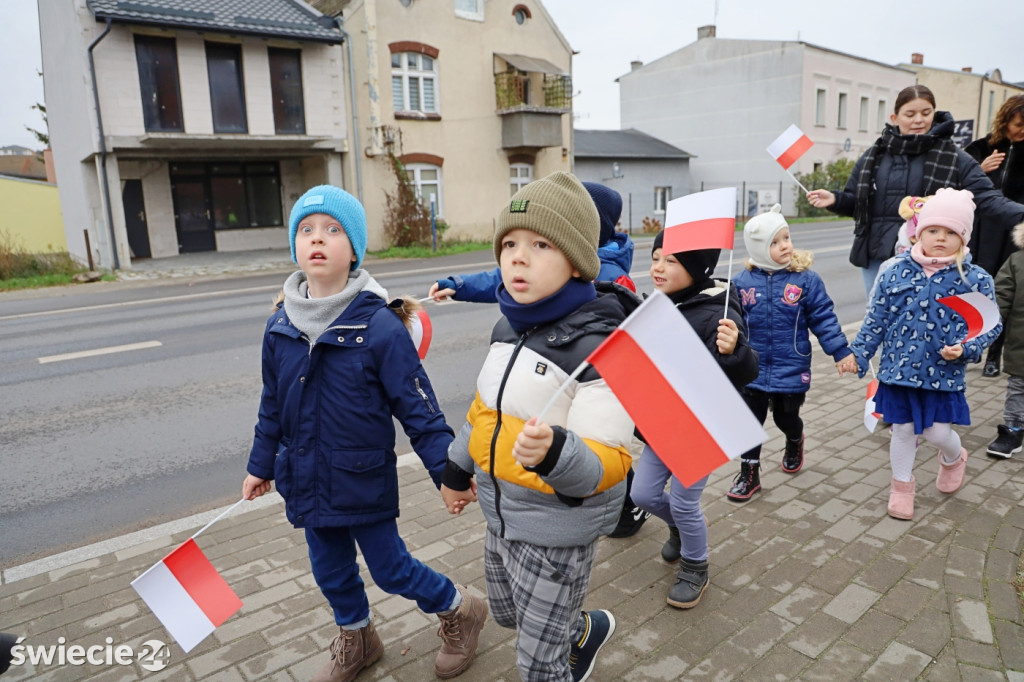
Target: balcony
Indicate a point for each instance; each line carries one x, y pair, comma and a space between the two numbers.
531, 94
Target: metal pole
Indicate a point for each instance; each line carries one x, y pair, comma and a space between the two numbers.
88, 249
433, 221
630, 214
744, 205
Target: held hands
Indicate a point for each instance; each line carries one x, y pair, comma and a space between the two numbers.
821, 198
950, 353
253, 487
533, 443
993, 161
439, 294
456, 500
847, 365
728, 335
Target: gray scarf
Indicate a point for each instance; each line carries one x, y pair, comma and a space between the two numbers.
313, 316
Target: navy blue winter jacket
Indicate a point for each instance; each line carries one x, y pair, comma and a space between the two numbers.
616, 259
779, 308
325, 432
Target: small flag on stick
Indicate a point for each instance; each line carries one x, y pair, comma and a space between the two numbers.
705, 220
789, 146
978, 310
682, 402
422, 332
870, 416
185, 592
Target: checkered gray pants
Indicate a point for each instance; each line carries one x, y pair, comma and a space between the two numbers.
539, 591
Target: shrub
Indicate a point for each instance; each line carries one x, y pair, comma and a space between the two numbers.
406, 219
832, 178
651, 225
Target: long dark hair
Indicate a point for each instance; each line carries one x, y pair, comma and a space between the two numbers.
1011, 107
911, 93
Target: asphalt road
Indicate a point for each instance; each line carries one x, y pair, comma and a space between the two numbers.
159, 425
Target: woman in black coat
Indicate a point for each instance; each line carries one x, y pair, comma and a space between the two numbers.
915, 156
1001, 156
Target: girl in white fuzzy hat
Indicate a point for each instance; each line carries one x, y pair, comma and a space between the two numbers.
782, 300
924, 354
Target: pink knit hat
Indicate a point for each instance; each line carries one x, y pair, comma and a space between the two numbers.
950, 208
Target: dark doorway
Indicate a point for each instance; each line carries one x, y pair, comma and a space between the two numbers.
192, 216
135, 219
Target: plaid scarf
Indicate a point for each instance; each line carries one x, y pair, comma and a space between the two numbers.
939, 166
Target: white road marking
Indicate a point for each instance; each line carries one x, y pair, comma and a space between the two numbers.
99, 351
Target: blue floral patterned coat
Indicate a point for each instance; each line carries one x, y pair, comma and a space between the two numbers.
905, 319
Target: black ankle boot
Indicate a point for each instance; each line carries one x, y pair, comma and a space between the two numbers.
746, 483
670, 550
793, 458
691, 581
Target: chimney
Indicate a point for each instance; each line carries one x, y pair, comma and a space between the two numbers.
635, 64
917, 58
705, 31
967, 69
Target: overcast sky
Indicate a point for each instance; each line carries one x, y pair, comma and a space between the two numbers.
608, 34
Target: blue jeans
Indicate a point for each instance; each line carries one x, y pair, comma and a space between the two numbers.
680, 507
332, 553
870, 273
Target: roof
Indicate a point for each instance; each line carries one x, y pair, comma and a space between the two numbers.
23, 166
278, 18
623, 144
532, 64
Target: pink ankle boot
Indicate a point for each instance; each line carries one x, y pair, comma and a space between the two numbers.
951, 476
901, 499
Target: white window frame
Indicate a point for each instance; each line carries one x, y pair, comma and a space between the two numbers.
477, 15
820, 104
842, 110
414, 171
406, 73
520, 181
883, 115
662, 195
865, 113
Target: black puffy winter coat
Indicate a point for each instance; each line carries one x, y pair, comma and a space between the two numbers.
991, 244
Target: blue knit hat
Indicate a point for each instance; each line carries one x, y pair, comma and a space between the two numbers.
609, 209
338, 204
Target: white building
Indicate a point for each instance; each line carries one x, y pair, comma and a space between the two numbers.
188, 128
725, 101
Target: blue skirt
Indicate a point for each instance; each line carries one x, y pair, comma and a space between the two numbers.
921, 406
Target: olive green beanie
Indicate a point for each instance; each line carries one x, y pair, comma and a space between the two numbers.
560, 209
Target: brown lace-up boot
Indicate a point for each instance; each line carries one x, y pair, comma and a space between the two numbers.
351, 651
459, 633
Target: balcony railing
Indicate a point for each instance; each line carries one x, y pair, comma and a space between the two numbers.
514, 92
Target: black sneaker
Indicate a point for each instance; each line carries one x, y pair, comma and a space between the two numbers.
793, 458
583, 654
670, 550
630, 520
691, 581
746, 483
991, 369
1008, 442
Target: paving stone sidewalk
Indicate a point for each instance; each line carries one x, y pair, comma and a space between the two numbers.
810, 580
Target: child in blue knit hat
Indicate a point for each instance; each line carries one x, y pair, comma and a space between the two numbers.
338, 364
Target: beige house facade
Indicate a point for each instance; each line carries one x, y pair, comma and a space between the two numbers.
472, 97
177, 130
724, 101
972, 98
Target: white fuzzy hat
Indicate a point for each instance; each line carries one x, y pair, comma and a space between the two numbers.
758, 234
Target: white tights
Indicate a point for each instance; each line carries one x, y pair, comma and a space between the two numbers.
903, 447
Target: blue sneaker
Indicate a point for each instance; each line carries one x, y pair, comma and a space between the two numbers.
583, 654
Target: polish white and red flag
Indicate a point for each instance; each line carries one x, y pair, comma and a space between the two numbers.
870, 416
705, 220
789, 146
978, 310
422, 331
187, 594
680, 399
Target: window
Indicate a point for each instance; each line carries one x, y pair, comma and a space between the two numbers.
521, 175
521, 13
841, 118
227, 94
470, 9
661, 198
158, 79
818, 167
881, 115
819, 108
244, 194
414, 82
427, 180
286, 91
862, 119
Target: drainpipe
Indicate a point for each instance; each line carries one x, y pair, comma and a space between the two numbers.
370, 24
103, 146
353, 105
